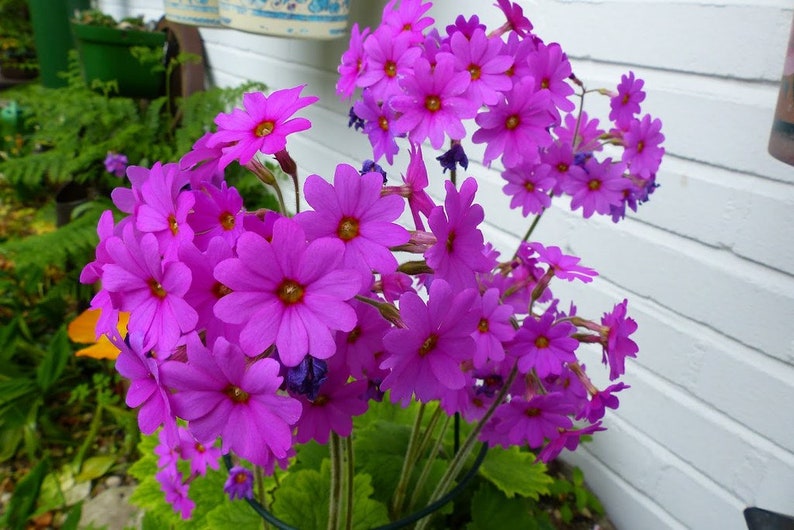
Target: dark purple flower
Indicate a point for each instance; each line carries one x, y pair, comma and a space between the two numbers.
240, 483
453, 157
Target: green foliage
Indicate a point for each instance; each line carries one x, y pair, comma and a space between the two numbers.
515, 472
24, 499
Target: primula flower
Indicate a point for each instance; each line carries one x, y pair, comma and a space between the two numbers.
151, 290
218, 212
465, 26
240, 483
493, 329
307, 377
378, 119
516, 20
565, 267
618, 345
416, 180
353, 212
407, 18
219, 394
262, 127
529, 188
600, 187
200, 455
352, 62
433, 103
551, 69
482, 58
567, 439
165, 207
543, 345
626, 103
453, 157
458, 255
362, 347
333, 409
116, 164
642, 152
176, 491
600, 401
425, 358
521, 421
517, 126
203, 162
287, 292
579, 132
389, 56
145, 389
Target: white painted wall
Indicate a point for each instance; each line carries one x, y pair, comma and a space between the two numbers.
708, 264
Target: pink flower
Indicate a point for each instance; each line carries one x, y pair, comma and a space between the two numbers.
515, 128
434, 105
220, 394
493, 329
531, 421
378, 119
626, 103
352, 62
564, 266
153, 291
543, 345
217, 212
643, 153
416, 180
176, 491
482, 58
599, 188
551, 69
458, 255
262, 127
529, 188
353, 212
288, 293
425, 358
407, 18
389, 56
515, 17
618, 345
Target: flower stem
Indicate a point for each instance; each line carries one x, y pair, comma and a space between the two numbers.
349, 475
420, 483
460, 459
334, 502
408, 465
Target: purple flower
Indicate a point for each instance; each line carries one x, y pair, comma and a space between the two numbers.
434, 105
262, 127
306, 378
116, 164
453, 157
458, 254
353, 212
565, 267
152, 290
551, 70
416, 181
515, 17
176, 491
642, 142
618, 345
240, 483
220, 394
600, 401
544, 345
425, 358
287, 292
407, 18
529, 188
352, 62
493, 329
378, 118
218, 212
626, 103
522, 421
516, 127
482, 58
600, 187
389, 56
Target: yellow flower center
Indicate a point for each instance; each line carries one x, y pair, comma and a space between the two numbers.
594, 184
227, 221
290, 292
428, 345
483, 327
172, 224
157, 289
236, 394
347, 229
390, 67
264, 128
512, 122
432, 103
542, 342
383, 123
475, 72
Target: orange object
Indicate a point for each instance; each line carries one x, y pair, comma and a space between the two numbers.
83, 331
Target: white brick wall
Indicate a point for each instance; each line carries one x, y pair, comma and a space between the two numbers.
708, 264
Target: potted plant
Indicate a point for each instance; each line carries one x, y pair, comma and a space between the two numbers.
309, 20
17, 50
129, 53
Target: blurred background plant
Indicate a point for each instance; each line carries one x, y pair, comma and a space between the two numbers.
17, 50
62, 419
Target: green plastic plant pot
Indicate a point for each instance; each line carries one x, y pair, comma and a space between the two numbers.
105, 56
53, 36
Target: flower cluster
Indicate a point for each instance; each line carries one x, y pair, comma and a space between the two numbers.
259, 330
421, 85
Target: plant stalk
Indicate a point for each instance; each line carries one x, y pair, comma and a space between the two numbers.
420, 483
334, 502
408, 465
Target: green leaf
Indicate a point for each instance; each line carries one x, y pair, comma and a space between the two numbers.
302, 500
62, 488
58, 353
25, 495
490, 509
73, 517
309, 455
380, 451
516, 472
95, 467
233, 515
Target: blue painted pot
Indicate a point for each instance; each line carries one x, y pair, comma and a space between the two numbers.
193, 12
309, 19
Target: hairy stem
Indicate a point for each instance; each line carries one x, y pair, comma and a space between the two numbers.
408, 465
